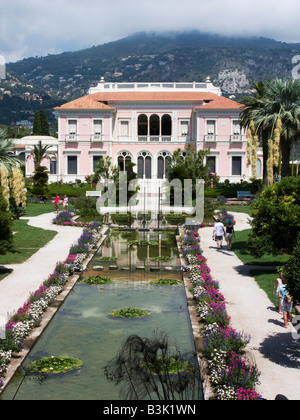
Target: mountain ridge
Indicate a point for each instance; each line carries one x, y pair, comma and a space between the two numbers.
233, 63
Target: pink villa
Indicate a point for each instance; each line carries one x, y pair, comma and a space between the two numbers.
144, 123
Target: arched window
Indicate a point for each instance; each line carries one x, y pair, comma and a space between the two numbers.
154, 125
162, 164
144, 165
123, 159
143, 125
166, 125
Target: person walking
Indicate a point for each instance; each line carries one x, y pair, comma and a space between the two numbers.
286, 303
277, 285
218, 232
229, 233
65, 203
56, 203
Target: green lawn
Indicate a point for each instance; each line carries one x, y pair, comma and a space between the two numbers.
266, 280
33, 209
236, 209
27, 240
239, 245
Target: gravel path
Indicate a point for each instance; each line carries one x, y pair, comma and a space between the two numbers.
276, 352
27, 277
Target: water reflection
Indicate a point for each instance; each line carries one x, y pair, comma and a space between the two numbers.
82, 328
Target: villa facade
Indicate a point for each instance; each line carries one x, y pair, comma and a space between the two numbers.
144, 123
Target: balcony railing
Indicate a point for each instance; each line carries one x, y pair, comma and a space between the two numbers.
236, 138
71, 138
210, 138
97, 138
75, 138
156, 139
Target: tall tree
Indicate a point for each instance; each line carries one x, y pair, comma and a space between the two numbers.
37, 128
188, 164
252, 117
45, 131
6, 234
41, 124
40, 152
274, 106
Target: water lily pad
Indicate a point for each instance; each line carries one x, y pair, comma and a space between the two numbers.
55, 364
97, 280
129, 313
166, 282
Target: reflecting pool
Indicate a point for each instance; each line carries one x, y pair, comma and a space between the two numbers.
83, 328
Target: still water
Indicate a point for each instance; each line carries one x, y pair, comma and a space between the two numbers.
83, 328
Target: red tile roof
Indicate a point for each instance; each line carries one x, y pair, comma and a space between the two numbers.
220, 102
101, 100
86, 102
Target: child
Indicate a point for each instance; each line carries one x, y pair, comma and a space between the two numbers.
286, 306
277, 285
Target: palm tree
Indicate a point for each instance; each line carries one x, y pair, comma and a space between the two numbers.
254, 110
283, 101
273, 100
40, 152
6, 158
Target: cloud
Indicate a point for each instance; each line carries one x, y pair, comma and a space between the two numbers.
39, 27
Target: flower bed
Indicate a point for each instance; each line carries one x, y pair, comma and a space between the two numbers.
30, 314
65, 218
232, 376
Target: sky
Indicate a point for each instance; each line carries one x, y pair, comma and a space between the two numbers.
39, 27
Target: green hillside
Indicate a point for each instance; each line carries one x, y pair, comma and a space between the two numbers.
232, 63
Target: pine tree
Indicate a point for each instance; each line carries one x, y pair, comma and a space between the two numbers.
45, 131
37, 128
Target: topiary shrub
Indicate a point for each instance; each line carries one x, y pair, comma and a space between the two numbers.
292, 272
276, 219
6, 235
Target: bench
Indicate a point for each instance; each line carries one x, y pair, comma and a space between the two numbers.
244, 194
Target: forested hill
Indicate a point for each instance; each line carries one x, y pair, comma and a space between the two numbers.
232, 63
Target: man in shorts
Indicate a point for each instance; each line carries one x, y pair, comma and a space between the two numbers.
218, 233
56, 203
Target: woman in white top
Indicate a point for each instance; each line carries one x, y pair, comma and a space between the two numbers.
277, 285
65, 203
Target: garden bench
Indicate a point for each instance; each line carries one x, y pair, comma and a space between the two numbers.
244, 194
